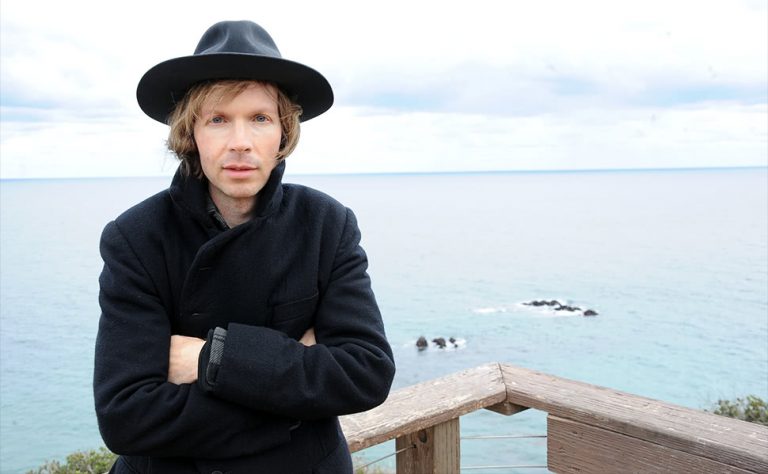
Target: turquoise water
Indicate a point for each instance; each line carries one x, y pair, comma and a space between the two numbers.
675, 262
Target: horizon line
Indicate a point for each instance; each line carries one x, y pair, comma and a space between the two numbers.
419, 173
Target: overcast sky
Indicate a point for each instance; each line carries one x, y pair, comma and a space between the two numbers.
419, 85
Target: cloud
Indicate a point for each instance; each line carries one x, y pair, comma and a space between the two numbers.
419, 85
358, 140
487, 89
50, 148
355, 140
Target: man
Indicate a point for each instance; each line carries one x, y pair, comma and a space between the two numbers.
238, 319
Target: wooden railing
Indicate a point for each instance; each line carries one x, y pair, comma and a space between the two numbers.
589, 428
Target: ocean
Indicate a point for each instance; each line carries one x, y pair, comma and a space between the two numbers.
675, 263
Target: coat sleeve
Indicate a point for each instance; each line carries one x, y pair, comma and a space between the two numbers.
349, 370
138, 411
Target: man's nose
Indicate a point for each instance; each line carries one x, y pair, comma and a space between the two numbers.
240, 137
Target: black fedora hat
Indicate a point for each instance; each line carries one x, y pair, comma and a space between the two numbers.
232, 50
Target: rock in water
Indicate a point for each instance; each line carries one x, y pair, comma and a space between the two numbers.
590, 312
421, 343
440, 341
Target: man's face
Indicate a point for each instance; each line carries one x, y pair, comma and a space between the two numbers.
238, 141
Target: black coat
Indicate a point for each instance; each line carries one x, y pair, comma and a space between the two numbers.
296, 264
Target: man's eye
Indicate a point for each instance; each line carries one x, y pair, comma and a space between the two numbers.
217, 120
261, 118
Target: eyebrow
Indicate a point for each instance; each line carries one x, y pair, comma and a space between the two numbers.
256, 109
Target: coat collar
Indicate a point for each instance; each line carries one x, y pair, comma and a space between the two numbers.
191, 194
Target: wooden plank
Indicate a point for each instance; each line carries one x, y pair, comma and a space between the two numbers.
433, 450
575, 447
425, 404
731, 442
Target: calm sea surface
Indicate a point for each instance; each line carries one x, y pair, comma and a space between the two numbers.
675, 262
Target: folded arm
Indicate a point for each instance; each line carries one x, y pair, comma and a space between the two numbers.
139, 411
184, 359
349, 370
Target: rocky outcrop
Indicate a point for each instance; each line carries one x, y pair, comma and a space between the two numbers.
421, 343
439, 343
558, 306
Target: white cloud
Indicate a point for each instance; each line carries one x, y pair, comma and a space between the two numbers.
454, 85
83, 148
354, 140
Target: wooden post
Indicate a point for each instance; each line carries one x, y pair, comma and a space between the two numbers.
434, 450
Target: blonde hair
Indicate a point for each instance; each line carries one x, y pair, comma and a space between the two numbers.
181, 138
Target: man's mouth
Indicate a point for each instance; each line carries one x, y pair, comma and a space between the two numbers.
239, 167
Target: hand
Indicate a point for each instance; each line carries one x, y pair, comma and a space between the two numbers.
308, 339
185, 352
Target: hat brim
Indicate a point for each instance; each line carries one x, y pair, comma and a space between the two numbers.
163, 86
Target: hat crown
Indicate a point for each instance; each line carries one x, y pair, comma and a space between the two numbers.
237, 37
240, 50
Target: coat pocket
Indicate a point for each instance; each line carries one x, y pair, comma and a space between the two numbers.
295, 317
338, 462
